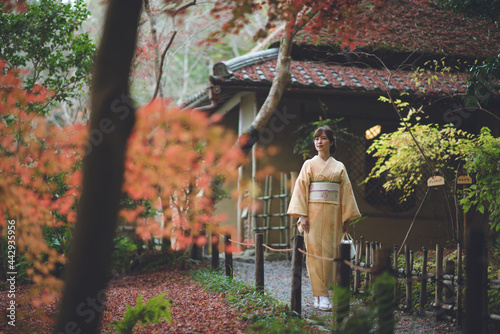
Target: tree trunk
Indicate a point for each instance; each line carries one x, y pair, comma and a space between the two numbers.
112, 118
281, 80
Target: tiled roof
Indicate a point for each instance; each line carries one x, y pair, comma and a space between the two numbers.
425, 28
317, 75
257, 70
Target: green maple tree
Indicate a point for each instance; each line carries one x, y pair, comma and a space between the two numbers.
45, 40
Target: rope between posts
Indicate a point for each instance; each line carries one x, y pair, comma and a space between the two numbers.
278, 250
236, 242
317, 257
253, 245
349, 263
358, 268
241, 243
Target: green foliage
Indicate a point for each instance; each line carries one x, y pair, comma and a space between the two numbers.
483, 162
493, 294
304, 145
58, 238
45, 39
383, 288
124, 251
266, 314
483, 81
340, 303
487, 9
377, 317
402, 164
481, 86
156, 309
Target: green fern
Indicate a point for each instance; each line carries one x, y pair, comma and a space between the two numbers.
156, 309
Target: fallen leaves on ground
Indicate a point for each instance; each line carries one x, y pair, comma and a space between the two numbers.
194, 310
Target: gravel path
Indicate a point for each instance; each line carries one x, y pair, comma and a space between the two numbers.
278, 282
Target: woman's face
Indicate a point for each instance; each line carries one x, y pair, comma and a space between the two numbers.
322, 143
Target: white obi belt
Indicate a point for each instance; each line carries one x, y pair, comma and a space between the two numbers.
324, 192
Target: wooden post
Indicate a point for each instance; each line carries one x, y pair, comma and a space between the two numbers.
383, 287
408, 278
412, 257
423, 283
361, 244
396, 270
372, 258
215, 251
439, 281
361, 252
259, 262
475, 281
356, 262
367, 264
459, 285
343, 279
296, 296
448, 288
229, 255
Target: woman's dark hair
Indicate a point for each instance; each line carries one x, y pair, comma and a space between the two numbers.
329, 133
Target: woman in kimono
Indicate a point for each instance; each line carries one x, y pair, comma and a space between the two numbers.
324, 202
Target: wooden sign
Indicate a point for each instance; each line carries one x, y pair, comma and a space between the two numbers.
435, 181
464, 179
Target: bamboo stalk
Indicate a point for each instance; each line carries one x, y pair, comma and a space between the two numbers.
269, 181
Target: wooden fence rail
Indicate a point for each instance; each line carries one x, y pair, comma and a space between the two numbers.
448, 303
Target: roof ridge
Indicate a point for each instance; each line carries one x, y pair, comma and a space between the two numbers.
227, 67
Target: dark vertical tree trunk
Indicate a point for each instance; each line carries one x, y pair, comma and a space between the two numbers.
476, 282
229, 256
215, 251
112, 118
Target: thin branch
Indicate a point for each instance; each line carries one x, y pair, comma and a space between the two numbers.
386, 88
160, 70
154, 35
186, 6
161, 63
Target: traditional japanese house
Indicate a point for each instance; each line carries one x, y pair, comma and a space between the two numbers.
421, 57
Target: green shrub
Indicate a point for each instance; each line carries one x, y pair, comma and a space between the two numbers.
156, 309
264, 313
124, 252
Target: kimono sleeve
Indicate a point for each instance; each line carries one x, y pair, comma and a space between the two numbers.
350, 210
299, 202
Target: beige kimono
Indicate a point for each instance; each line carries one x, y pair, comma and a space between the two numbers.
326, 217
